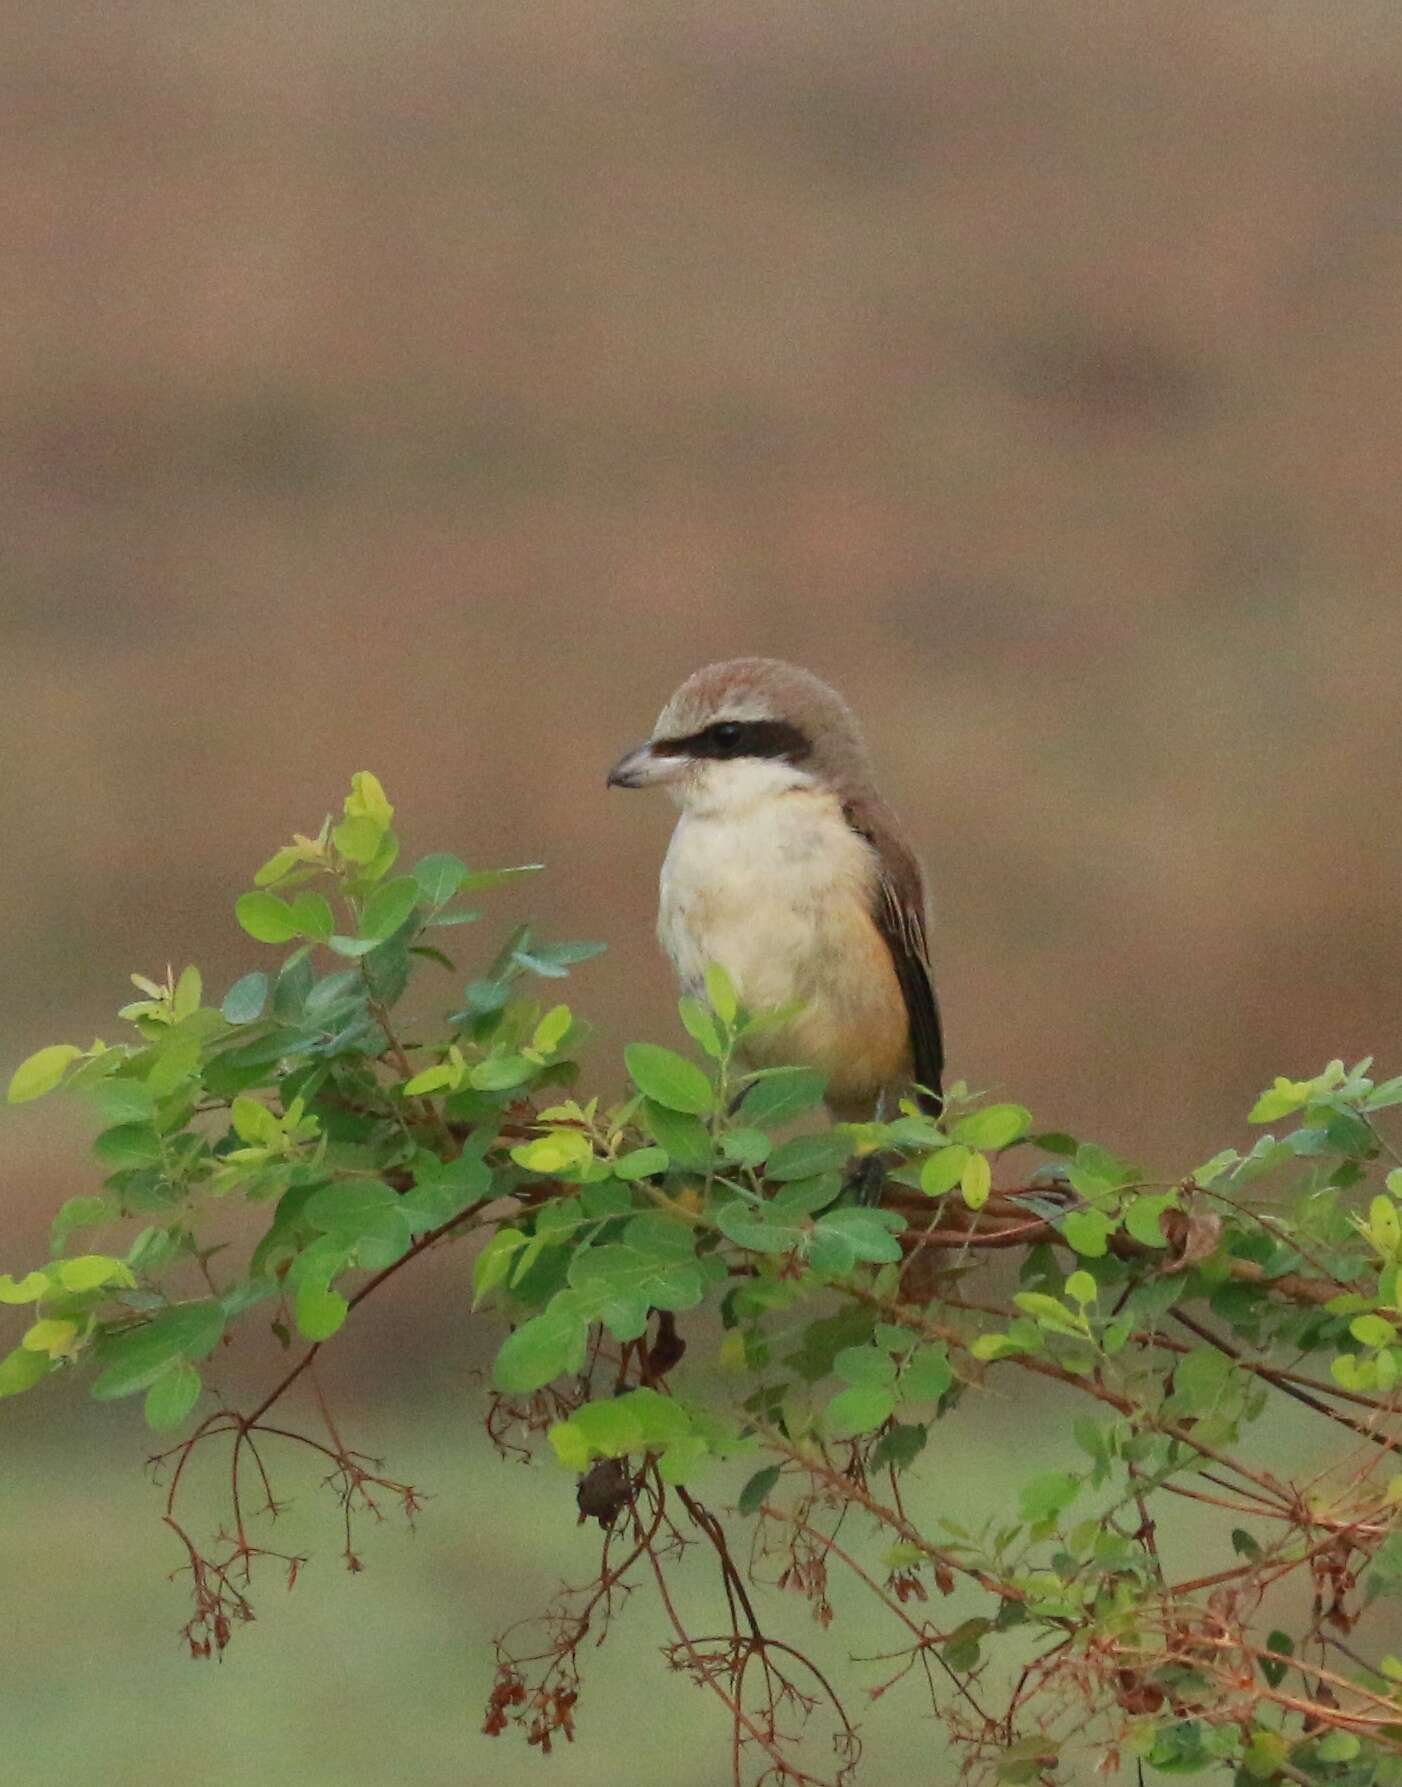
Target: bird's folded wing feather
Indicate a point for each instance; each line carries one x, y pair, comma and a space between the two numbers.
899, 912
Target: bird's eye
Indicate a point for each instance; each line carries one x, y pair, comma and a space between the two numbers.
728, 734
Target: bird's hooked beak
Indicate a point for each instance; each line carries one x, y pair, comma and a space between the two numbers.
645, 767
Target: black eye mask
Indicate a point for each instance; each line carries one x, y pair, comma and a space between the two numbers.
777, 740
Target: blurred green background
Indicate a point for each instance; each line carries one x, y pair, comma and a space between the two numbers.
429, 388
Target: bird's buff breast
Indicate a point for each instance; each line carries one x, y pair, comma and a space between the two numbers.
780, 896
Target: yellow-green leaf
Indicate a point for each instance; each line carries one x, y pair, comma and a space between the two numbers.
367, 799
943, 1171
41, 1072
553, 1153
1284, 1097
51, 1336
87, 1271
720, 990
21, 1370
254, 1123
996, 1126
552, 1029
187, 993
29, 1289
358, 840
976, 1181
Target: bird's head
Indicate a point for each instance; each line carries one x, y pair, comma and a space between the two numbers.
742, 731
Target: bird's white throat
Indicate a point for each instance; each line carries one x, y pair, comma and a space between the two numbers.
733, 788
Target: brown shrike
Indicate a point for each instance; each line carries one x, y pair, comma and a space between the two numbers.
788, 869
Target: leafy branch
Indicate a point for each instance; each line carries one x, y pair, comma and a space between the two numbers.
693, 1289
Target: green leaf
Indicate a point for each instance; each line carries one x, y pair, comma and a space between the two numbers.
748, 1147
333, 996
245, 999
1264, 1755
1141, 1218
756, 1492
756, 1228
858, 1410
1088, 1232
683, 1137
1055, 1141
1045, 1497
806, 1155
900, 1446
359, 838
22, 1369
439, 878
1372, 1330
77, 1213
388, 907
554, 960
278, 866
352, 946
41, 1072
121, 1100
651, 1266
927, 1374
500, 1073
996, 1126
1199, 1379
1048, 1313
1280, 1644
805, 1197
319, 1310
1081, 1288
943, 1171
643, 1419
495, 1260
136, 1359
870, 1234
542, 1348
266, 917
313, 917
482, 878
444, 1190
864, 1365
128, 1145
701, 1027
171, 1397
642, 1163
783, 1093
669, 1079
351, 1209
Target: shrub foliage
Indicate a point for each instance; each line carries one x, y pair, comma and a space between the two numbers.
681, 1280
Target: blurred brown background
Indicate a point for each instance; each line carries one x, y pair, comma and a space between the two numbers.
428, 388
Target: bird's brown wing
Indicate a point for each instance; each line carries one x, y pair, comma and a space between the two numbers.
898, 908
